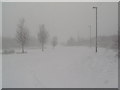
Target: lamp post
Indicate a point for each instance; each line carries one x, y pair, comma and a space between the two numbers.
96, 26
90, 34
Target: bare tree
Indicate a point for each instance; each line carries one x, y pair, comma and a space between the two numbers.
71, 42
43, 36
22, 34
54, 41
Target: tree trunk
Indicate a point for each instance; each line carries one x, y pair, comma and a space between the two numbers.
42, 47
22, 48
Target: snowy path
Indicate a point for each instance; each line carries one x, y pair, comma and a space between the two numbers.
68, 67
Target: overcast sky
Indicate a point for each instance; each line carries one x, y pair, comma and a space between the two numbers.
61, 19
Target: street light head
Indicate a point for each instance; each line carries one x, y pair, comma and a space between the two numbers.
94, 7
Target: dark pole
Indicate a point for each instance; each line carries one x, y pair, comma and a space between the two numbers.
96, 27
90, 35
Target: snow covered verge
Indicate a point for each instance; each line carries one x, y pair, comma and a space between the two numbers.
62, 67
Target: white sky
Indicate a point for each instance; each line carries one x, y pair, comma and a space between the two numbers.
61, 19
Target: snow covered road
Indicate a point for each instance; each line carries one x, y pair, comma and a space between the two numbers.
62, 67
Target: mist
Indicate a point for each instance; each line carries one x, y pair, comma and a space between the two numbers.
63, 19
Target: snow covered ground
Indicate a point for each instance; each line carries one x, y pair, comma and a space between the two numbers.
62, 67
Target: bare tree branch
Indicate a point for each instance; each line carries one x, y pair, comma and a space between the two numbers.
22, 34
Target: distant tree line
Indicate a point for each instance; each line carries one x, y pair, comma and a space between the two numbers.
23, 37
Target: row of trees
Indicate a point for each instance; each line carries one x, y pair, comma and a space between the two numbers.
22, 36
